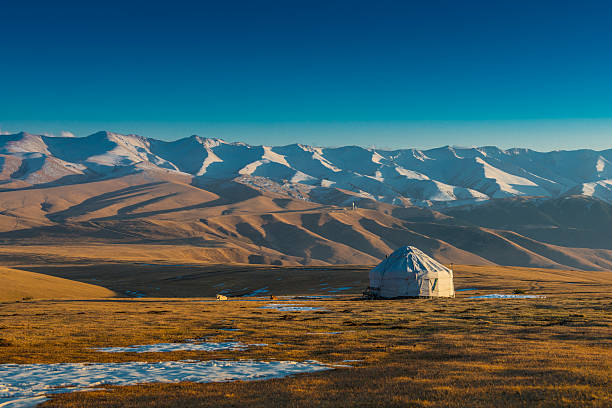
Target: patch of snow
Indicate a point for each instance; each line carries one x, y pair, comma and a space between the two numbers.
600, 165
300, 177
25, 385
210, 159
601, 189
377, 158
134, 293
313, 297
365, 194
250, 168
274, 157
170, 347
340, 289
509, 183
290, 307
410, 174
317, 154
210, 142
498, 296
22, 402
257, 292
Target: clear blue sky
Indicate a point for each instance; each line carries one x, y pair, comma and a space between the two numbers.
391, 74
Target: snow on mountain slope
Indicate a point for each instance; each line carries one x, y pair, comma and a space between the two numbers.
190, 155
22, 144
307, 159
601, 189
38, 169
355, 159
102, 149
444, 176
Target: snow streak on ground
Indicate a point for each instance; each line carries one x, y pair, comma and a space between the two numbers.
311, 297
24, 385
258, 292
170, 347
340, 289
497, 296
290, 307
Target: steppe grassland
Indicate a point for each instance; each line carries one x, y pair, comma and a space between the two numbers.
416, 352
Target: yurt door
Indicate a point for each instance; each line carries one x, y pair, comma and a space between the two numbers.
424, 287
428, 287
433, 285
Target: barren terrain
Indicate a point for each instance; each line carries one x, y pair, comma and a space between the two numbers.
553, 351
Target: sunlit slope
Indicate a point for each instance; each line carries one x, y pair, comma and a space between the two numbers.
19, 285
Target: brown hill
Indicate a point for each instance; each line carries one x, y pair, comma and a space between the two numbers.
24, 285
156, 216
571, 221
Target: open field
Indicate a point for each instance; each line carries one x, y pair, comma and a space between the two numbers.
188, 279
457, 352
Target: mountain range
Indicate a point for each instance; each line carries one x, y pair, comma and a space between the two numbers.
236, 202
430, 178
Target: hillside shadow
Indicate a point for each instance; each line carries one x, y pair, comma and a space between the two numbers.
337, 231
62, 181
101, 201
229, 192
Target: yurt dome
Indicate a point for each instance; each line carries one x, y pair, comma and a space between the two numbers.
409, 272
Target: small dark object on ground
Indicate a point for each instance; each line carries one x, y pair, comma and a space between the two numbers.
370, 293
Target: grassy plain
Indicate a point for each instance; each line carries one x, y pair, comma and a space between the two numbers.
457, 352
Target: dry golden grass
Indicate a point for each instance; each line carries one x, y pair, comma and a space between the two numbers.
19, 285
197, 280
416, 352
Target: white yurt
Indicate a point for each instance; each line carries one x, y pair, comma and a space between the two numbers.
409, 272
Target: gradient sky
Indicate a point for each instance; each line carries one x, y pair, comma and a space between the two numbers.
391, 74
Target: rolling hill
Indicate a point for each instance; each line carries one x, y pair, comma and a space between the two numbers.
24, 285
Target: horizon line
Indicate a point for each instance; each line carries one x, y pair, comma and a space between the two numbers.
237, 142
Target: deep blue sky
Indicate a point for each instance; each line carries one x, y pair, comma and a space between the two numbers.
391, 74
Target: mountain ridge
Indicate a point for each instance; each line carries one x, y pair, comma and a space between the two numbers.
436, 178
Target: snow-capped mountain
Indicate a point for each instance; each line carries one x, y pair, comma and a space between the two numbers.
438, 177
